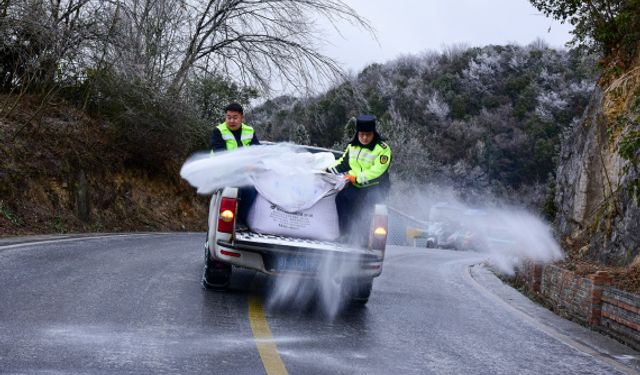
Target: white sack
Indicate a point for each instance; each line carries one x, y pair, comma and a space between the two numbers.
296, 193
319, 222
295, 198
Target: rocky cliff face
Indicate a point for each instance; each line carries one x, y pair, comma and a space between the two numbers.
597, 188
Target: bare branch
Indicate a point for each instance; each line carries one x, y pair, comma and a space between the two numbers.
256, 40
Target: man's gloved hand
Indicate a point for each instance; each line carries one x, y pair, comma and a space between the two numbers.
351, 178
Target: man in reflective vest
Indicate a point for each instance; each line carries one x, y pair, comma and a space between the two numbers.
365, 163
233, 133
230, 135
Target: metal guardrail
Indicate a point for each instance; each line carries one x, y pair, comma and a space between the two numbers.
399, 226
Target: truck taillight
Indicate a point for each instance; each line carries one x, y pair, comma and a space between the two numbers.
380, 231
227, 215
380, 226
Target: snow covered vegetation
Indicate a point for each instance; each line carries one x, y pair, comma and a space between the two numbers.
482, 120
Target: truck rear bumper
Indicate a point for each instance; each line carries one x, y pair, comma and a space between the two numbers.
274, 256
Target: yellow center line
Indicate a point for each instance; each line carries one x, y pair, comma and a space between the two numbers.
271, 360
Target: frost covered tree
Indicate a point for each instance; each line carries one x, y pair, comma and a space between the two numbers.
257, 41
164, 43
474, 118
611, 27
44, 42
300, 135
438, 106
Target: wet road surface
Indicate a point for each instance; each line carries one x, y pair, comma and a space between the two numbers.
134, 305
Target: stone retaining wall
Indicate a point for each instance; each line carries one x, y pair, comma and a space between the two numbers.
590, 300
566, 291
621, 314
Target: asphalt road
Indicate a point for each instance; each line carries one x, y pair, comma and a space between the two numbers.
134, 305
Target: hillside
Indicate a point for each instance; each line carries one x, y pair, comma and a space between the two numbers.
598, 181
61, 171
101, 101
466, 119
482, 121
485, 122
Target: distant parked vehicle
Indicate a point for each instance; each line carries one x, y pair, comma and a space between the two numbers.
454, 227
444, 219
439, 235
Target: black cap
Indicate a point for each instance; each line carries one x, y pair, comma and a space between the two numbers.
234, 107
366, 123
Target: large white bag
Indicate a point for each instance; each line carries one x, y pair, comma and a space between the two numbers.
318, 222
290, 184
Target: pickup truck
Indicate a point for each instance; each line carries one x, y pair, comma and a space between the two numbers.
231, 245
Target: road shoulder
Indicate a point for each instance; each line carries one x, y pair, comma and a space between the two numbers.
17, 241
581, 338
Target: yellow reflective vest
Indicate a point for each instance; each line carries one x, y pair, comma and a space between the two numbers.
367, 165
245, 136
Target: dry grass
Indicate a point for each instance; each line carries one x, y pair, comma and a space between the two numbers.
622, 277
41, 157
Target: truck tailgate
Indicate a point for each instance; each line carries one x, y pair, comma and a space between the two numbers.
270, 243
278, 254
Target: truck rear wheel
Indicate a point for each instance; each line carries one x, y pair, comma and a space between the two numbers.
361, 290
216, 275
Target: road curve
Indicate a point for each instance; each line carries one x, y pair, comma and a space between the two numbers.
134, 305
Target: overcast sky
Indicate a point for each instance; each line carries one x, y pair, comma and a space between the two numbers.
415, 26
